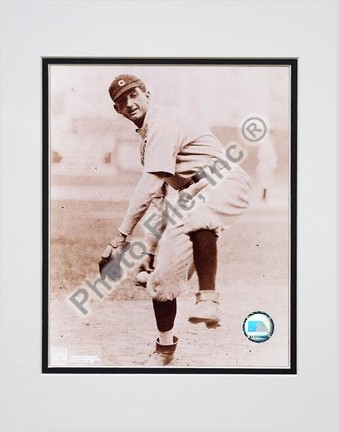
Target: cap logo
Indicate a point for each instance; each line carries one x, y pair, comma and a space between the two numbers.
121, 83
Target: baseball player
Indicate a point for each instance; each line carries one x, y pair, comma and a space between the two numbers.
178, 152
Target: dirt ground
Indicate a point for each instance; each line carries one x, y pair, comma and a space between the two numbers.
120, 331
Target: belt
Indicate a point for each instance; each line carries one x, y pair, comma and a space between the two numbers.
195, 179
199, 176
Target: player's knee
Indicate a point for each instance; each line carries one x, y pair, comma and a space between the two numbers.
160, 287
209, 223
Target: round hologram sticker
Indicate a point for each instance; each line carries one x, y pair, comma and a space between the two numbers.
258, 327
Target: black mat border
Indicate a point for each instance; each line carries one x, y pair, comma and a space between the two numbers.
293, 63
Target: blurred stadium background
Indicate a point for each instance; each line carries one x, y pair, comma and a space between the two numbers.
93, 149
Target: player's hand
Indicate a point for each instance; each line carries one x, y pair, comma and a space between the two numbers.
119, 242
147, 263
144, 269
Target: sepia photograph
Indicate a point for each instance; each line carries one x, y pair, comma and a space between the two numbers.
169, 215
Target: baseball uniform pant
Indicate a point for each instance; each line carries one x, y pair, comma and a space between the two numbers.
213, 204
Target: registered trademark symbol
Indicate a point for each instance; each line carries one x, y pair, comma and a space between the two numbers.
254, 129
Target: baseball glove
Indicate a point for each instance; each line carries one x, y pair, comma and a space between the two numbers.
110, 262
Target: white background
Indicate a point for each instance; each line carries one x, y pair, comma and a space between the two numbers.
35, 402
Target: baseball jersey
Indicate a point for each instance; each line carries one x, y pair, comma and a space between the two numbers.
175, 145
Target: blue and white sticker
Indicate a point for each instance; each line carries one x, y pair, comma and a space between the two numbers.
258, 327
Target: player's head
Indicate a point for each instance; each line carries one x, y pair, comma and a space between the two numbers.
130, 97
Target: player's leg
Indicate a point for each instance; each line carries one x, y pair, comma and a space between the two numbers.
165, 345
207, 309
174, 265
205, 257
223, 206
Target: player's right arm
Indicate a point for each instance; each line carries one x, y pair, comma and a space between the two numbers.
157, 211
158, 214
146, 190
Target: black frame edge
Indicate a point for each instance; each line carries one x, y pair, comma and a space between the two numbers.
45, 213
46, 61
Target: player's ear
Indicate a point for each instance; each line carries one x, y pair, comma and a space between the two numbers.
148, 94
116, 108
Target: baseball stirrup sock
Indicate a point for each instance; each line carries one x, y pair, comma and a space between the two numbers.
205, 257
165, 313
166, 338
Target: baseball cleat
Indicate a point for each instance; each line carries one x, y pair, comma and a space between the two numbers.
163, 354
206, 308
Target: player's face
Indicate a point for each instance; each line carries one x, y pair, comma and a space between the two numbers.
133, 104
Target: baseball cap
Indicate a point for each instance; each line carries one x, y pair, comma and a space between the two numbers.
122, 83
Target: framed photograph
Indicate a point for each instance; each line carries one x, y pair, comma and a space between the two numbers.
76, 343
169, 215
